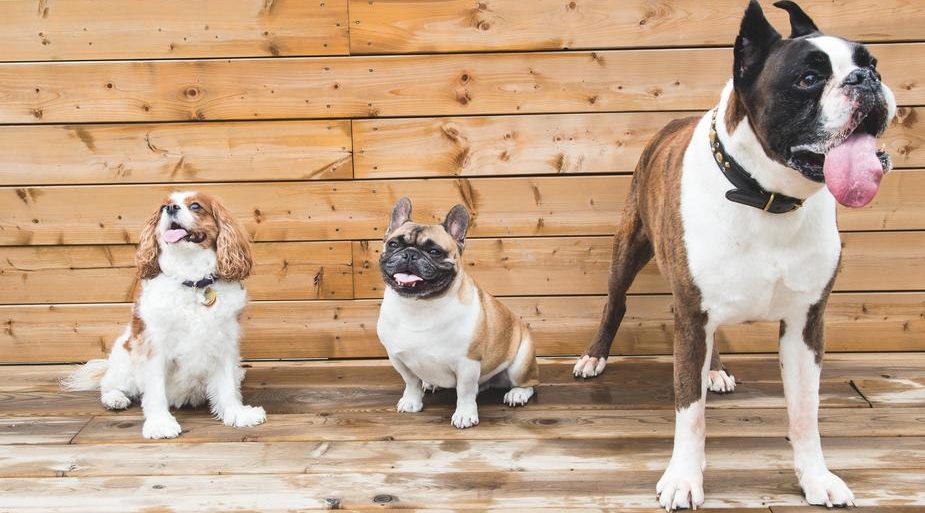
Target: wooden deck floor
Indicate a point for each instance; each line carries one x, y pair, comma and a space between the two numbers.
334, 441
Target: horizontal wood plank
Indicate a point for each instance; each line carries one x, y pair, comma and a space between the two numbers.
527, 423
613, 490
731, 454
430, 85
62, 274
39, 430
560, 326
412, 26
176, 153
545, 144
892, 391
136, 29
538, 266
333, 210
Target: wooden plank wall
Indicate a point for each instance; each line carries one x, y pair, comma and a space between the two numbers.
310, 118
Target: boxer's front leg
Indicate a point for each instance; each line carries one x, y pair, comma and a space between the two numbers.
681, 486
801, 350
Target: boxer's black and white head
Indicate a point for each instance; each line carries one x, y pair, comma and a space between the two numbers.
815, 102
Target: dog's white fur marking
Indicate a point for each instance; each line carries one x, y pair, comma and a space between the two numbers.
721, 382
681, 486
192, 350
589, 367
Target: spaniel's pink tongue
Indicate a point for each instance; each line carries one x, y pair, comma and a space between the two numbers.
404, 279
171, 236
853, 171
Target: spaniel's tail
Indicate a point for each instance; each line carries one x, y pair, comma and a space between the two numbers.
86, 377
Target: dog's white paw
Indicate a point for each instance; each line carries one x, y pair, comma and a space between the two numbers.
721, 382
161, 427
589, 366
466, 416
244, 416
518, 396
115, 400
410, 404
824, 488
680, 487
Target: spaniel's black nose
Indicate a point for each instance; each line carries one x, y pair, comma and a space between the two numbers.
173, 209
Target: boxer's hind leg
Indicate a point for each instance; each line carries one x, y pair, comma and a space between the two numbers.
632, 250
719, 379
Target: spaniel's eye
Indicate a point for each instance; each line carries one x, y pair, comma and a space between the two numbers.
392, 244
195, 206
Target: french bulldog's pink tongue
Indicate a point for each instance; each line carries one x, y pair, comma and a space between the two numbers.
407, 279
853, 171
171, 236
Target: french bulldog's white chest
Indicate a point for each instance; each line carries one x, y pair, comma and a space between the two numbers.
750, 265
428, 336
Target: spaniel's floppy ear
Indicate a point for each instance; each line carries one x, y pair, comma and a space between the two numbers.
232, 246
148, 250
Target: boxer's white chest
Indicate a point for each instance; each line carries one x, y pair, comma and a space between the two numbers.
430, 337
748, 264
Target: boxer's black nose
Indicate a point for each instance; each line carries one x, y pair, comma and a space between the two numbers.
861, 76
173, 209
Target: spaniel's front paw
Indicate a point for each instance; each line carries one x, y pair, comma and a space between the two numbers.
244, 416
161, 427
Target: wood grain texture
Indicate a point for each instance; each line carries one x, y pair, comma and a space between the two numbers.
67, 274
334, 210
412, 26
503, 425
892, 391
544, 144
39, 430
614, 490
430, 85
538, 266
560, 326
135, 29
176, 153
730, 454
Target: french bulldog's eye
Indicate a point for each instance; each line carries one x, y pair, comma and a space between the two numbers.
809, 79
434, 252
392, 244
195, 206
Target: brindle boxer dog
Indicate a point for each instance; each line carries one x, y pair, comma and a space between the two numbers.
733, 206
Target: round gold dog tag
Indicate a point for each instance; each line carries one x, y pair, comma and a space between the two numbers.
209, 296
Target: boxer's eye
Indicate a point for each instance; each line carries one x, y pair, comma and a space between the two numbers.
809, 79
873, 63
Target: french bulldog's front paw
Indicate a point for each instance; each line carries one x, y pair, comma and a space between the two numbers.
115, 400
589, 366
721, 382
823, 488
244, 416
161, 427
680, 487
410, 404
465, 417
518, 396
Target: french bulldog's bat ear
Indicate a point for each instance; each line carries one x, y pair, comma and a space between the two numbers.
800, 22
457, 224
401, 214
756, 36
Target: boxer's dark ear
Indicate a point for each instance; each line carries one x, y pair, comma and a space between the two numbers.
754, 42
800, 23
457, 224
401, 214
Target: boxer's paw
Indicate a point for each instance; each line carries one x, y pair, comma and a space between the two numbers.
466, 416
589, 366
680, 487
823, 488
410, 404
721, 382
518, 396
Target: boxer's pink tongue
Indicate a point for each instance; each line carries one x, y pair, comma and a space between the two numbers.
853, 171
171, 236
407, 279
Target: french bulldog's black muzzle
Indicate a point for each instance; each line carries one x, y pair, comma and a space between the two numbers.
436, 276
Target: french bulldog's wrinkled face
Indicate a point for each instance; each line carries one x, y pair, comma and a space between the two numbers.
815, 102
422, 260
